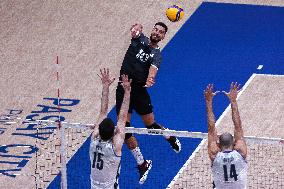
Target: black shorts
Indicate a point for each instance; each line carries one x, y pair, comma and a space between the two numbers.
140, 100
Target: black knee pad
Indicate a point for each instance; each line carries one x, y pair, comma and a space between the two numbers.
128, 135
154, 126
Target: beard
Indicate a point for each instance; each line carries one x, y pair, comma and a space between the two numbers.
154, 39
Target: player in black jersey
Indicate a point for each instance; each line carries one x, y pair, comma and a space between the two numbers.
141, 63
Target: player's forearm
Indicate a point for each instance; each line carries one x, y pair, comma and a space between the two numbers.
104, 100
211, 120
210, 115
237, 120
122, 117
104, 108
152, 72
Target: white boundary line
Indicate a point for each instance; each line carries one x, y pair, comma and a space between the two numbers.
246, 2
270, 75
204, 140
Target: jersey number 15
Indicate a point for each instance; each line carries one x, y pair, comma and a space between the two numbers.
98, 161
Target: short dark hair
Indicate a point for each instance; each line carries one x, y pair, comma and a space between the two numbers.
106, 129
226, 140
163, 25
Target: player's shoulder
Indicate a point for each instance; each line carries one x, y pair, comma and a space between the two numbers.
144, 39
156, 52
239, 154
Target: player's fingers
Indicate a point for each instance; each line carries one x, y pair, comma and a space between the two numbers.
112, 80
122, 78
232, 85
208, 87
107, 71
99, 76
103, 72
239, 86
151, 81
125, 78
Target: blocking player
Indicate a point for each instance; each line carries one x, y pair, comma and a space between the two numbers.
228, 157
106, 143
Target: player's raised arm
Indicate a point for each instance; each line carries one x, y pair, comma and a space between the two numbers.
240, 144
106, 82
119, 136
213, 147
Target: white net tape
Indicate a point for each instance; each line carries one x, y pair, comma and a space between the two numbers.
167, 132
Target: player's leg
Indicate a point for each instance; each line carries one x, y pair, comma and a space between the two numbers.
132, 144
130, 140
150, 123
144, 108
144, 166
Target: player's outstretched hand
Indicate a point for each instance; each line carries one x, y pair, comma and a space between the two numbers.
106, 81
208, 92
126, 83
233, 93
136, 30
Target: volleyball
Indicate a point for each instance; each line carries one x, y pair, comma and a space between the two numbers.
175, 13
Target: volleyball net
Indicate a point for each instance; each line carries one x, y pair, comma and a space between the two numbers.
62, 159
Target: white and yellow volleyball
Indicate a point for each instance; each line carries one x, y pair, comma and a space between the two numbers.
175, 13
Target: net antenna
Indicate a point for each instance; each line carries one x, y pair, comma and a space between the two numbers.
63, 172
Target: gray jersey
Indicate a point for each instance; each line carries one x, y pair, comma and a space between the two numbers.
105, 164
229, 170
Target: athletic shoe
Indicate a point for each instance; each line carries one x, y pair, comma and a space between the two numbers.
144, 169
175, 144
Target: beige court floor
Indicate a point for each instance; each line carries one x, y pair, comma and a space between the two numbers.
87, 36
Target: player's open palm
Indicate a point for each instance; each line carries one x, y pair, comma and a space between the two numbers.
106, 81
234, 90
126, 83
208, 92
135, 30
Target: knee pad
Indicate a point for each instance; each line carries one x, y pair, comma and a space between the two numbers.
127, 135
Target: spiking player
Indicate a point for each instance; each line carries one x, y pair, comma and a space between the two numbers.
228, 157
141, 63
106, 144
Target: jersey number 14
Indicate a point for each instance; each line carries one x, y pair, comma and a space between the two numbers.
233, 173
98, 162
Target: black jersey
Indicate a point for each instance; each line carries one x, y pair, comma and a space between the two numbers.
138, 59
